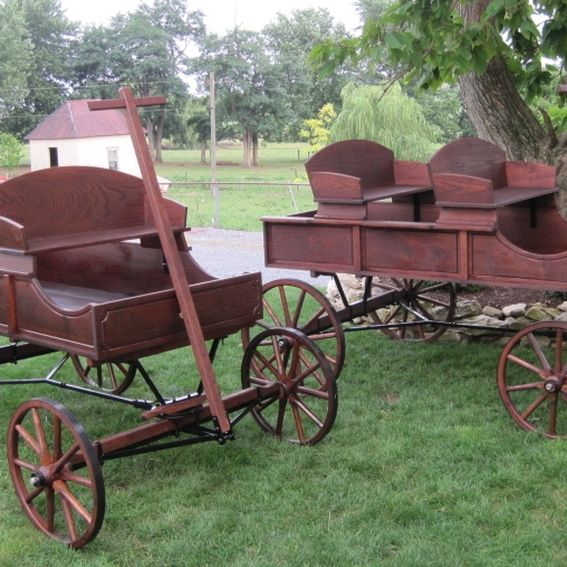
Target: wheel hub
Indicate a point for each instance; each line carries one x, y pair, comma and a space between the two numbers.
553, 384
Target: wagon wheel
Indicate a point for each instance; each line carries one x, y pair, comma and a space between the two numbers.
419, 300
531, 378
296, 304
304, 410
56, 472
111, 377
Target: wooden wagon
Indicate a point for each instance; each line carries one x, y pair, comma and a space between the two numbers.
412, 230
95, 264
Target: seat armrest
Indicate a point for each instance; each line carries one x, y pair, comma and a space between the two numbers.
530, 174
335, 186
453, 189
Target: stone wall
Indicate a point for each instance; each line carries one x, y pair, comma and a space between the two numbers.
468, 312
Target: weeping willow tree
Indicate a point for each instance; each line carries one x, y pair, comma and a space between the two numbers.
392, 119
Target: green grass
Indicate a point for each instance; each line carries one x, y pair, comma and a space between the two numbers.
422, 467
241, 206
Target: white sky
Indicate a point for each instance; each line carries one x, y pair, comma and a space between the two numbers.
220, 15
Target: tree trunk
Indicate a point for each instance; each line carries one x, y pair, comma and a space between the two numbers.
247, 148
255, 149
203, 152
500, 115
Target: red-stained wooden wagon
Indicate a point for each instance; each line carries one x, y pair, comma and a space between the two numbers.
95, 264
413, 230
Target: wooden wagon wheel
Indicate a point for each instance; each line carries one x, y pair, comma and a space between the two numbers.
56, 473
419, 300
296, 304
306, 407
111, 377
531, 378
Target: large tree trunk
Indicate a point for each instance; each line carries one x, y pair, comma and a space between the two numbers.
203, 152
500, 115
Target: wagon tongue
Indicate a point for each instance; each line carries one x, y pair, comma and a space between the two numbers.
167, 240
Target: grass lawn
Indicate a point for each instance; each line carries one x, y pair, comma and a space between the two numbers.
422, 467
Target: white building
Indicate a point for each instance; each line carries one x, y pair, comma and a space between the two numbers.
74, 135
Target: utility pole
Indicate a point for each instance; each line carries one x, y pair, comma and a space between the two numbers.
214, 186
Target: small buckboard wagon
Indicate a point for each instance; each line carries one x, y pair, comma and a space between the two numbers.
411, 231
94, 264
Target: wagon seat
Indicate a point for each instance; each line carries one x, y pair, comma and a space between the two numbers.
84, 271
477, 188
352, 179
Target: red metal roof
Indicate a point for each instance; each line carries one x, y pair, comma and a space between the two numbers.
73, 119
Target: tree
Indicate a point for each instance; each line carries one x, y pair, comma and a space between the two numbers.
316, 130
10, 152
200, 123
249, 87
289, 40
390, 118
146, 49
492, 48
16, 61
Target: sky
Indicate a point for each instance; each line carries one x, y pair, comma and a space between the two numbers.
220, 15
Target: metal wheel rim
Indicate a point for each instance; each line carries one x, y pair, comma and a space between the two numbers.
65, 497
414, 296
295, 414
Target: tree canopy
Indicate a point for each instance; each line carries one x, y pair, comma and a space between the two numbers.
390, 118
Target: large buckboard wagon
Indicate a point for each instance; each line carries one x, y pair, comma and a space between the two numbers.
412, 231
94, 263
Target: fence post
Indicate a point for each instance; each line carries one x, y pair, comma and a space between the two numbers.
214, 186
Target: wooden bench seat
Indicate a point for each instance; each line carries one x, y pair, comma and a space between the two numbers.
472, 180
346, 176
69, 207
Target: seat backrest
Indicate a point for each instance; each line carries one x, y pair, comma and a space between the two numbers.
471, 156
367, 160
73, 200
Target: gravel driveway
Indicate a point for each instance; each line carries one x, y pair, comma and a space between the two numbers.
226, 253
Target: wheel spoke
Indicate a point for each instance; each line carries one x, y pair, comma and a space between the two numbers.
538, 351
63, 490
297, 420
25, 465
298, 308
31, 496
308, 412
268, 307
525, 364
69, 519
281, 416
532, 407
50, 510
68, 476
322, 394
63, 460
524, 387
27, 437
285, 306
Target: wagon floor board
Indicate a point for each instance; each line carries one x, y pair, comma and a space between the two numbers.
75, 297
